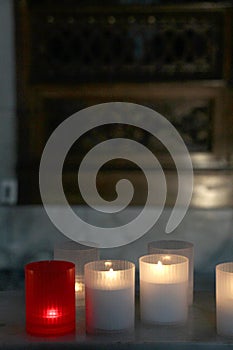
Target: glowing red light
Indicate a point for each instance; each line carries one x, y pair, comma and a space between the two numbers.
50, 297
52, 313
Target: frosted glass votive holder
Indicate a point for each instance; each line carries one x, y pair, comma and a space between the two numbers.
50, 297
179, 248
224, 298
163, 288
110, 287
79, 254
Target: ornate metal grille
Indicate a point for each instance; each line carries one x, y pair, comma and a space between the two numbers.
125, 44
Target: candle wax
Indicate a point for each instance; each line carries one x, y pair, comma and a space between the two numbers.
225, 317
163, 303
110, 309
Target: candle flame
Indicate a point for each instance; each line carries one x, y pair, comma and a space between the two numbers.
111, 274
78, 287
52, 313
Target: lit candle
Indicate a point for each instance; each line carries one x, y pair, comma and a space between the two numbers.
224, 298
163, 288
50, 297
79, 254
79, 287
109, 296
52, 313
176, 247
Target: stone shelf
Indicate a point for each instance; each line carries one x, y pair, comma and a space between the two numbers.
198, 333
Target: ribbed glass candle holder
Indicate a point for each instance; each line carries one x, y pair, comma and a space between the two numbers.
50, 297
224, 298
178, 248
163, 288
109, 296
80, 255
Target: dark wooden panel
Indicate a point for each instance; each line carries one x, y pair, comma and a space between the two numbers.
176, 59
127, 43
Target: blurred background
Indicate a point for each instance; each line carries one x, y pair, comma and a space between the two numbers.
55, 59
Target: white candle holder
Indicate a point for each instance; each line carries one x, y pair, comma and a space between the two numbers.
80, 255
224, 298
109, 287
178, 248
163, 288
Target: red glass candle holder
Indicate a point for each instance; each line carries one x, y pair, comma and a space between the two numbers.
50, 297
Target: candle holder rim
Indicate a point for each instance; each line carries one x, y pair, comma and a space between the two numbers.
182, 257
220, 266
92, 263
36, 266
